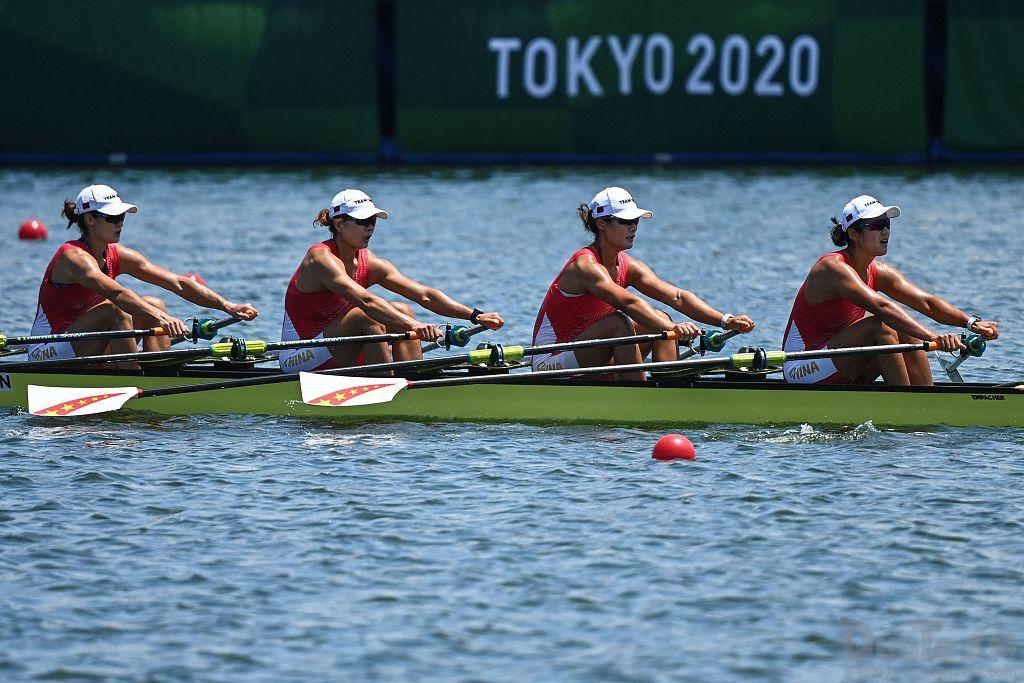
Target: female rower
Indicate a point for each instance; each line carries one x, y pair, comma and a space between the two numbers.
80, 292
841, 305
589, 299
328, 297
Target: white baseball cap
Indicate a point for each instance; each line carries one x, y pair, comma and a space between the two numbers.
614, 201
355, 203
866, 206
104, 199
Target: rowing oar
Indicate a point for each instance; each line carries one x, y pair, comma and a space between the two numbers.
454, 336
236, 349
202, 328
60, 401
321, 390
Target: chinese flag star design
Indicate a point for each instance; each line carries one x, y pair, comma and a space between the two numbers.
70, 407
338, 398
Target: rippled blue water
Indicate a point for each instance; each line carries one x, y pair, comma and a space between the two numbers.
260, 548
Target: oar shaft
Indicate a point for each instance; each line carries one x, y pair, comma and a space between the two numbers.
203, 327
591, 343
737, 360
476, 356
79, 336
338, 341
218, 350
291, 377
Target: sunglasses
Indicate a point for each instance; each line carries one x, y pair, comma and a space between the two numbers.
363, 222
623, 221
876, 225
113, 220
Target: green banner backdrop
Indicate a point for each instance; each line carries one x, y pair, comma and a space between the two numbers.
188, 76
984, 109
650, 76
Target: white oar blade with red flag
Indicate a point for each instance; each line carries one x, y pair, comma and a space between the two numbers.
341, 391
75, 401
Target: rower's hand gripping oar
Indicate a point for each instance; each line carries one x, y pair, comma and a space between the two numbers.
321, 390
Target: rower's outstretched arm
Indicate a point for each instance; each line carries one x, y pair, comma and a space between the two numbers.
430, 298
135, 264
331, 275
586, 273
895, 284
84, 271
837, 280
689, 304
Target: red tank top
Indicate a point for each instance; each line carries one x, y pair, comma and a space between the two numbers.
62, 304
812, 325
311, 311
569, 314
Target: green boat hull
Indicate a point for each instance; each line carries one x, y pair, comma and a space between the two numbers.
663, 402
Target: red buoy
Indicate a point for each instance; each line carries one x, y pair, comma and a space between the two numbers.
32, 230
673, 447
197, 277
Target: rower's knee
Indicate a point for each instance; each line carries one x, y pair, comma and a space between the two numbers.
402, 307
887, 335
619, 325
637, 328
115, 315
156, 302
365, 324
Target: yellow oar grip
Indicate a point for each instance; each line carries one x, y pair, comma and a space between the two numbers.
256, 346
3, 341
484, 356
159, 332
413, 335
225, 349
746, 360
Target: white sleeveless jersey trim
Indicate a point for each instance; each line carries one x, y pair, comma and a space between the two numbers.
304, 359
61, 350
808, 371
562, 360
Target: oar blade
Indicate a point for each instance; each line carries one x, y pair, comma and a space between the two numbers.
75, 401
341, 391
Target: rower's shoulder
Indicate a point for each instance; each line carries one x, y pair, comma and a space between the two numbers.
833, 263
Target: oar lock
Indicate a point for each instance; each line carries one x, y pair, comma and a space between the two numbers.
202, 328
497, 353
454, 335
759, 361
